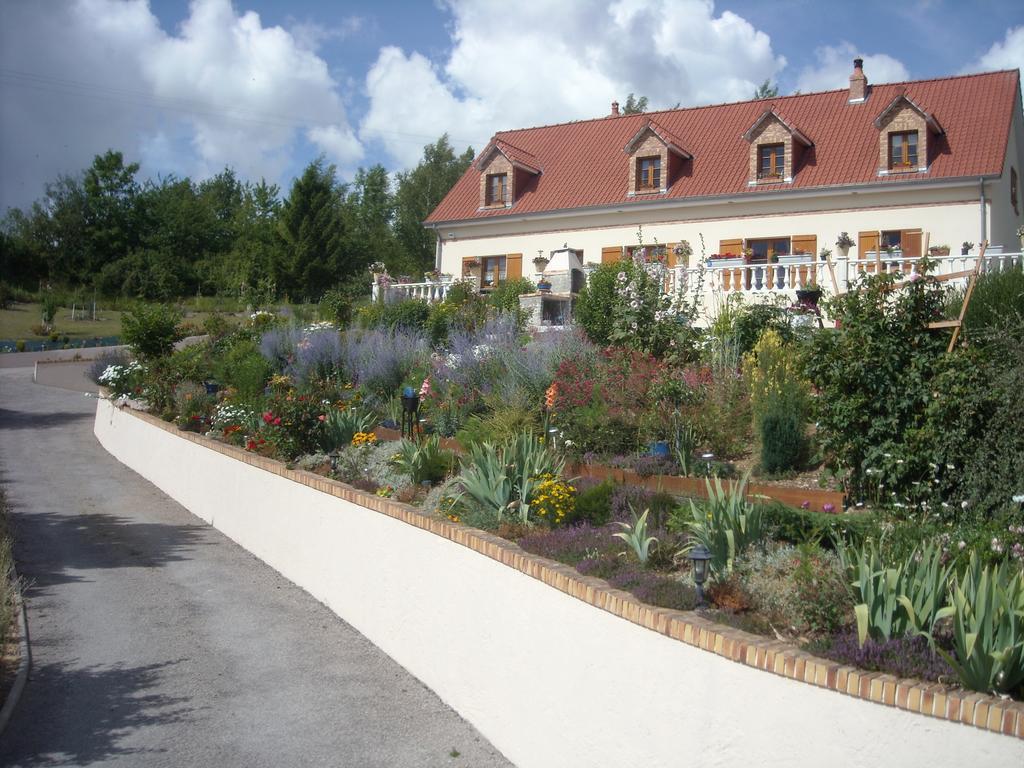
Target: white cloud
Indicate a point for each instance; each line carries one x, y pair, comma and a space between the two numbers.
547, 63
1009, 54
89, 75
834, 64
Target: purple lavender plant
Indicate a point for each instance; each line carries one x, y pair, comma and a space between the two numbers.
379, 360
900, 656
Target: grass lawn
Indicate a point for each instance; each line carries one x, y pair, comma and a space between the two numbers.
17, 322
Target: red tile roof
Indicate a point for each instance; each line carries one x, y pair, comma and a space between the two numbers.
583, 163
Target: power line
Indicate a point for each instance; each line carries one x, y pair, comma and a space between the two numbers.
33, 81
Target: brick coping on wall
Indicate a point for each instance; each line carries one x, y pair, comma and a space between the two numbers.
933, 699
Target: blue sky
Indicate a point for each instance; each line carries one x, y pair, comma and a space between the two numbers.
186, 88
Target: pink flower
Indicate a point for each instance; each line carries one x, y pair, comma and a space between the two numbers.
828, 507
805, 505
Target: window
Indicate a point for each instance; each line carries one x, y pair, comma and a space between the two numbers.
492, 271
497, 188
903, 150
648, 173
771, 161
762, 251
892, 240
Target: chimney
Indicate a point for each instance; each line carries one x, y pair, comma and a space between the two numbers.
615, 109
858, 83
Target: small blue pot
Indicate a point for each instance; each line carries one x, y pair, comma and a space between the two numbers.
659, 449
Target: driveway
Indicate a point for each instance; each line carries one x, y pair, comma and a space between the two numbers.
157, 641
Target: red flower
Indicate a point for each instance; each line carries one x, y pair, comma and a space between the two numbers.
251, 445
277, 422
268, 417
322, 417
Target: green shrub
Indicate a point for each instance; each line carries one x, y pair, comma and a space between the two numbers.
19, 345
194, 408
243, 367
875, 374
505, 297
50, 304
823, 597
593, 505
997, 301
216, 327
782, 441
336, 307
594, 306
406, 314
750, 321
799, 525
498, 426
151, 330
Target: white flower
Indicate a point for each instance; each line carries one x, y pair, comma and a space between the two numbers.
961, 544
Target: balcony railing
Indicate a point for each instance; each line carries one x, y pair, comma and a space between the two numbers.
784, 278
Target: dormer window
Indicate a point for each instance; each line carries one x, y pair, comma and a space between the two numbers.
506, 173
497, 188
904, 132
648, 174
776, 147
656, 160
771, 161
903, 151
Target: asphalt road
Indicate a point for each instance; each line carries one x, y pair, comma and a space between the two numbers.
158, 642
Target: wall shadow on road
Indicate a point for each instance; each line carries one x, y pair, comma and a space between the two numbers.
51, 545
78, 716
16, 420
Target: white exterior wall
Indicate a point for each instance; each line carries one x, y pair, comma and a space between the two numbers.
950, 215
548, 679
1003, 220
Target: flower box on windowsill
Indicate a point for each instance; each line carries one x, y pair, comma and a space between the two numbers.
725, 263
796, 258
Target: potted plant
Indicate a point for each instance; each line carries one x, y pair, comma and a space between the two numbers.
540, 261
544, 285
844, 243
824, 253
683, 252
432, 275
938, 250
809, 296
965, 247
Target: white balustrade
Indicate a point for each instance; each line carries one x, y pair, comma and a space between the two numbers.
431, 291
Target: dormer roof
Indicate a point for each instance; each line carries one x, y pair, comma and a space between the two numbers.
902, 100
519, 158
674, 144
769, 114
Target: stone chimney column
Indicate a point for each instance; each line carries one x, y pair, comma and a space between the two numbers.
858, 83
615, 109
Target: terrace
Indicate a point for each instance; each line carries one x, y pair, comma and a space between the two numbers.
719, 278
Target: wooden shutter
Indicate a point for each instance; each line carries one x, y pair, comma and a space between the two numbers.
611, 253
866, 241
910, 243
805, 244
735, 247
670, 255
513, 266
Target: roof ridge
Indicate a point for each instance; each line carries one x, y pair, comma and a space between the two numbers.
696, 107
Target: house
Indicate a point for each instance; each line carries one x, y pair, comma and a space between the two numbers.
901, 167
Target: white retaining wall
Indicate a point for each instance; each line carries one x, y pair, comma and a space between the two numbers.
548, 679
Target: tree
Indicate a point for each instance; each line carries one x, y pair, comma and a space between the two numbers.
312, 227
766, 90
418, 192
111, 216
635, 105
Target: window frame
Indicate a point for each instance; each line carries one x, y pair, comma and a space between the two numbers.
754, 244
492, 179
905, 164
777, 152
641, 168
499, 265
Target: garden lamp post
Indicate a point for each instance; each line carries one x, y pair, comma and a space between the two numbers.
410, 413
707, 461
700, 556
